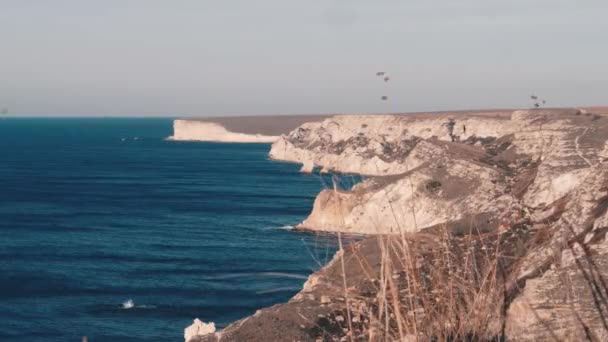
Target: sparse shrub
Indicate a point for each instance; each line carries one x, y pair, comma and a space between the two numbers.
537, 101
450, 124
432, 186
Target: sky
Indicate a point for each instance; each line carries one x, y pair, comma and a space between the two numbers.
243, 57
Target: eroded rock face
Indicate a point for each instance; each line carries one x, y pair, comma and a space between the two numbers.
430, 170
196, 130
420, 199
560, 281
567, 303
503, 223
378, 144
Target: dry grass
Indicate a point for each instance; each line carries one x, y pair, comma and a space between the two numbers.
450, 285
445, 289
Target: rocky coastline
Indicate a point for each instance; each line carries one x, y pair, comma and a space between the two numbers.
481, 226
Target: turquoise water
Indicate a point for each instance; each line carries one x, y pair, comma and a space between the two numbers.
94, 212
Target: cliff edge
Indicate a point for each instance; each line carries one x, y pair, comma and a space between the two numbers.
239, 129
481, 227
425, 171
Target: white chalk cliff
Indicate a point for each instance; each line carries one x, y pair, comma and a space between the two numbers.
196, 130
435, 169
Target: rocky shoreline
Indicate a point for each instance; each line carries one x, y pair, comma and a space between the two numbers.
482, 226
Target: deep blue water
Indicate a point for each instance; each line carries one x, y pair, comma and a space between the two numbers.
185, 230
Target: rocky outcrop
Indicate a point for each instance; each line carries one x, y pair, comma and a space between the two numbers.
198, 329
568, 302
380, 145
428, 170
196, 130
562, 278
422, 198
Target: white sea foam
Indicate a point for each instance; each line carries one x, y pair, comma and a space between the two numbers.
283, 275
278, 289
285, 227
146, 307
129, 304
255, 274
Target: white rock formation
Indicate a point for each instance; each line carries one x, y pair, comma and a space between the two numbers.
562, 304
434, 169
210, 131
198, 328
362, 143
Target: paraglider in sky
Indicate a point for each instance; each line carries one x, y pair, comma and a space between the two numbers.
384, 75
537, 101
385, 78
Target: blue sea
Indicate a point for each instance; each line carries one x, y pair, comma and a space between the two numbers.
96, 212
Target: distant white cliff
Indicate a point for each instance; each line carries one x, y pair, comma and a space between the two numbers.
195, 130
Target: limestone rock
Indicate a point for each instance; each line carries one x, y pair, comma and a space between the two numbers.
196, 130
307, 166
566, 303
198, 328
435, 169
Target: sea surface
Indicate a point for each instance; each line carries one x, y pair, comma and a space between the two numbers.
108, 230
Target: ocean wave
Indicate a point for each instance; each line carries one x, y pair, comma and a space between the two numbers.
256, 274
279, 289
274, 227
130, 304
283, 275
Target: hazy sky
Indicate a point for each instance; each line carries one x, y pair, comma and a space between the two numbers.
235, 57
